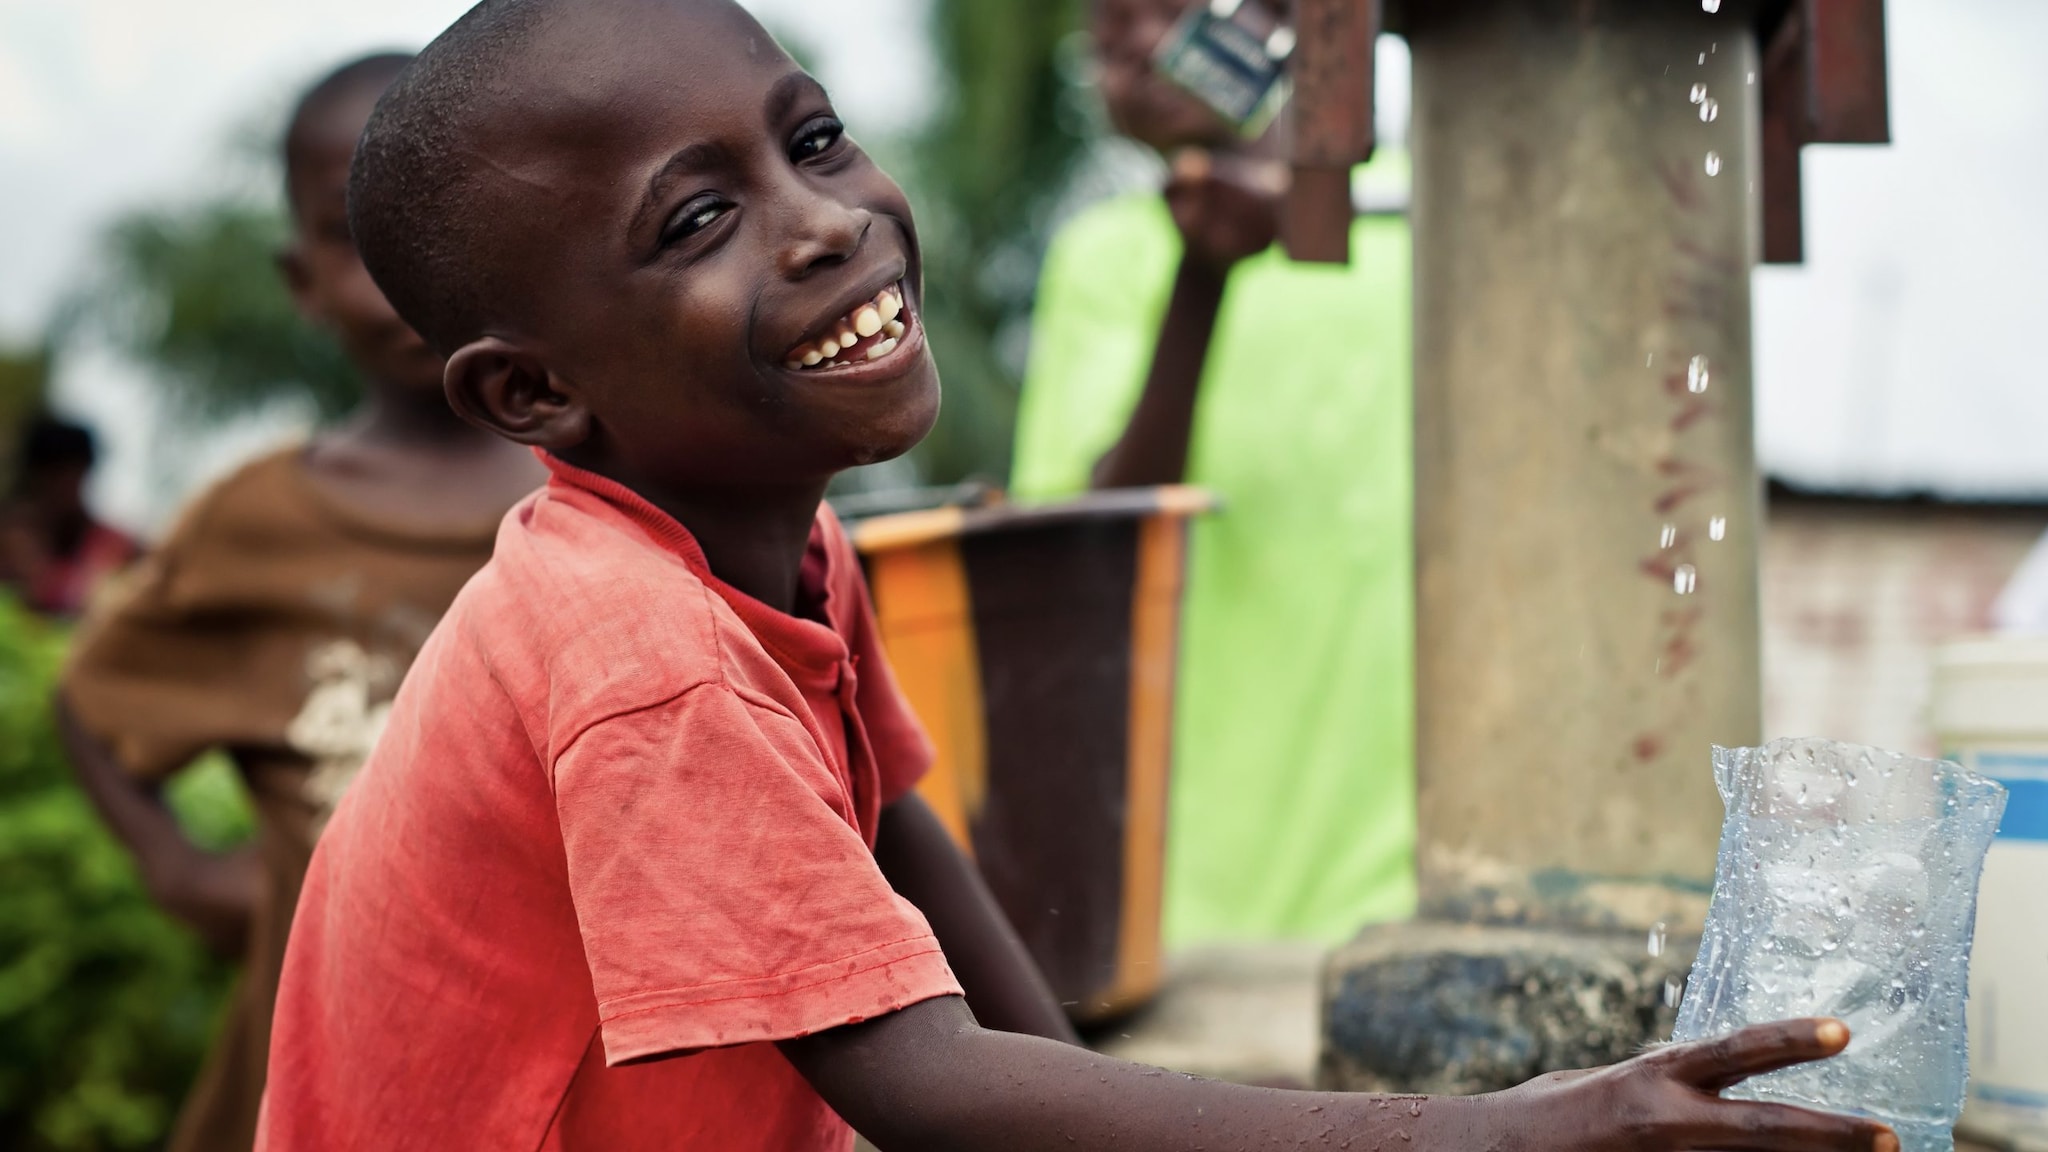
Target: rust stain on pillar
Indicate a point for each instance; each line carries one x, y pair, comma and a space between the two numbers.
1588, 508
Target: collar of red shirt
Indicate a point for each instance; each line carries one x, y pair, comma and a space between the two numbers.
793, 640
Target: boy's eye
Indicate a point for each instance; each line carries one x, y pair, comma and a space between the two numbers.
817, 138
693, 218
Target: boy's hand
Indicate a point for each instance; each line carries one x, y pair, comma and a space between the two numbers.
1670, 1099
1227, 206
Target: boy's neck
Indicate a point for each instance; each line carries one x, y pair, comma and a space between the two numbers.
399, 417
754, 539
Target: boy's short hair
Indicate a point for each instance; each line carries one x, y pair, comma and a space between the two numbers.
365, 74
412, 200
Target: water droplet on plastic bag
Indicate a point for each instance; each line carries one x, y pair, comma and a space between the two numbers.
1699, 93
1713, 163
1860, 910
1657, 938
1686, 580
1717, 529
1710, 110
1668, 537
1699, 374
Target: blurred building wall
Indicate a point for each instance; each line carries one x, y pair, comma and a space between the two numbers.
1858, 593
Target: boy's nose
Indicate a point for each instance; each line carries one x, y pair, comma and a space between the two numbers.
824, 232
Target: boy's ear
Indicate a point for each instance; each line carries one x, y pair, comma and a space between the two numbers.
498, 385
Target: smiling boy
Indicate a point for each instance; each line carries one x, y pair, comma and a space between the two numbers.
636, 864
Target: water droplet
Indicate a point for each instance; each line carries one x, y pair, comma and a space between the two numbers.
1673, 993
1699, 374
1668, 537
1699, 93
1717, 529
1845, 905
1752, 77
1686, 580
1657, 936
1710, 109
1830, 944
1703, 57
1710, 5
1713, 163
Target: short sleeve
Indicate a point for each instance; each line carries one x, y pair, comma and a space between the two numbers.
722, 891
154, 674
1101, 299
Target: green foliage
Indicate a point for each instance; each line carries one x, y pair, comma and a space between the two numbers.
105, 1006
24, 383
986, 173
194, 294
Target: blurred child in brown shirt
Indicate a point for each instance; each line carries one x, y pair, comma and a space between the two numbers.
277, 619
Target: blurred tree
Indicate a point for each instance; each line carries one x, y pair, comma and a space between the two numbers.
1009, 124
193, 294
24, 385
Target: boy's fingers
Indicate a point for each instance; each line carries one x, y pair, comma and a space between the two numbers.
1740, 1126
1712, 1065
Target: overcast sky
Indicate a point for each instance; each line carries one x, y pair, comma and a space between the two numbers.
1904, 354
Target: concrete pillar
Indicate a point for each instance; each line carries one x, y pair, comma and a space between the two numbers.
1587, 523
1587, 515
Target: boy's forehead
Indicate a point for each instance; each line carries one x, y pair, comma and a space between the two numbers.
619, 76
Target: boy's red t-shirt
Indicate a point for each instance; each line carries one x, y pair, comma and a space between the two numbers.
621, 813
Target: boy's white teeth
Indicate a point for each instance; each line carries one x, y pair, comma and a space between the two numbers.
873, 330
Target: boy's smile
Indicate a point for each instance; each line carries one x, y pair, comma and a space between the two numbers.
870, 340
718, 284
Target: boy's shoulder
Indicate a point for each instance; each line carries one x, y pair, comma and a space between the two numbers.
260, 495
583, 613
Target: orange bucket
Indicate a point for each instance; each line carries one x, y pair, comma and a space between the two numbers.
1038, 645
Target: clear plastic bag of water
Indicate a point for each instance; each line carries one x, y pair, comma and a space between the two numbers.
1847, 887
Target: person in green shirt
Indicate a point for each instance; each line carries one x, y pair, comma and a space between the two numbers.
1173, 343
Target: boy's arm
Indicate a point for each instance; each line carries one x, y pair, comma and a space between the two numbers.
925, 867
1227, 208
215, 894
929, 1078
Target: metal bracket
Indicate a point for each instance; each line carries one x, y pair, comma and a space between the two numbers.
1824, 82
1331, 118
